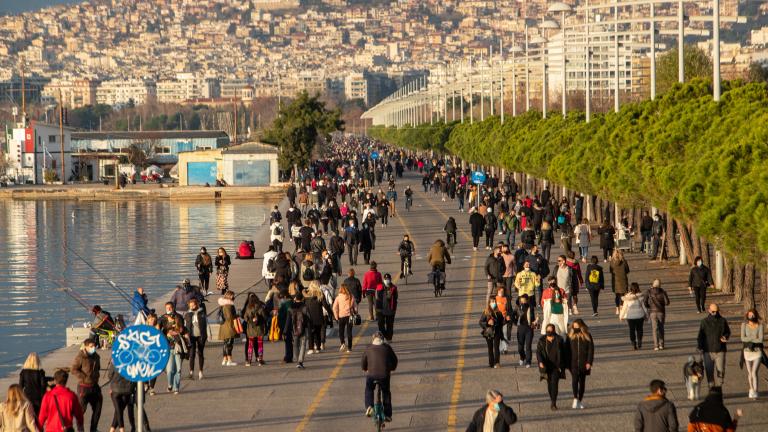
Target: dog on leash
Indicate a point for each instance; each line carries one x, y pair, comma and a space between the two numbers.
693, 374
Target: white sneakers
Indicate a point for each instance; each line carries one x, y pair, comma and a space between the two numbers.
521, 362
200, 375
577, 404
752, 394
310, 352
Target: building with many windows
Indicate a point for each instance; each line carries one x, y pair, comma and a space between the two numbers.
125, 92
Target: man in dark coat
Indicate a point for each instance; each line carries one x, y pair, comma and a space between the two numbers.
378, 363
477, 224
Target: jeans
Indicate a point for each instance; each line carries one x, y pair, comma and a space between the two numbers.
617, 299
386, 395
300, 347
196, 348
578, 381
607, 253
475, 241
371, 295
205, 279
494, 356
489, 238
714, 367
700, 294
546, 250
636, 331
121, 402
646, 236
352, 250
593, 297
657, 328
345, 329
386, 325
91, 395
173, 370
583, 251
524, 340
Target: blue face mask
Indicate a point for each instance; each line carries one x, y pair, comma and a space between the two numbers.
497, 407
91, 350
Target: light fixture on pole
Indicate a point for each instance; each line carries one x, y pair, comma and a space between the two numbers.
513, 50
563, 9
542, 42
681, 18
716, 50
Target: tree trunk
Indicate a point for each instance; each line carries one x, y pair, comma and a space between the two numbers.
749, 286
696, 244
738, 281
685, 236
763, 305
671, 238
728, 276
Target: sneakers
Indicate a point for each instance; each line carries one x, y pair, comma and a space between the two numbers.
322, 348
527, 365
200, 375
224, 362
389, 419
594, 314
474, 248
348, 350
369, 411
151, 392
231, 363
261, 362
575, 310
310, 352
300, 366
752, 394
247, 364
575, 404
169, 389
191, 374
496, 366
175, 392
521, 362
343, 347
581, 405
656, 349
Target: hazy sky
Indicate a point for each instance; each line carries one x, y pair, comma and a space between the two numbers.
16, 6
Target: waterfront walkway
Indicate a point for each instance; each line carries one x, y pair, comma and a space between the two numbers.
443, 374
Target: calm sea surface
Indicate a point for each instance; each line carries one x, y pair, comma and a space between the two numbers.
152, 244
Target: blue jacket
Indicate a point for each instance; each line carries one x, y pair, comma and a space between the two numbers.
139, 303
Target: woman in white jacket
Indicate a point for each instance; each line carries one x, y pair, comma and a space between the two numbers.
554, 304
634, 312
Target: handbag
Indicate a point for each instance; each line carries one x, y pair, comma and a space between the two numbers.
61, 418
237, 323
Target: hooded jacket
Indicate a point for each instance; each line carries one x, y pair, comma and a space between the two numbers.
656, 414
711, 415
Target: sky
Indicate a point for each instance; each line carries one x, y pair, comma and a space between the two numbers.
17, 6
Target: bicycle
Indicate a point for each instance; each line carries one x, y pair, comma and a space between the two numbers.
379, 418
406, 268
437, 279
451, 240
408, 203
105, 338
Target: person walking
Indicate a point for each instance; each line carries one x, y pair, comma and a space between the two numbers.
607, 242
581, 354
712, 342
372, 283
494, 269
551, 354
526, 282
61, 410
491, 223
656, 302
699, 279
122, 393
222, 270
297, 324
619, 277
196, 324
752, 340
344, 308
634, 312
378, 362
656, 413
494, 416
712, 415
227, 332
352, 240
554, 309
86, 368
594, 281
178, 343
204, 265
285, 302
354, 286
17, 413
525, 317
492, 324
477, 225
33, 382
255, 316
316, 305
386, 307
547, 239
583, 236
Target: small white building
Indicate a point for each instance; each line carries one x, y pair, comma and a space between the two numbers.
249, 164
37, 148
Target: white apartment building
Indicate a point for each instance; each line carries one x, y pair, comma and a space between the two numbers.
121, 92
187, 86
35, 148
75, 93
234, 88
356, 87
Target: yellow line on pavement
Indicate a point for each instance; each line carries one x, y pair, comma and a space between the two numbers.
459, 374
343, 360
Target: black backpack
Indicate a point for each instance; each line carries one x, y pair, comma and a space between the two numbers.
271, 266
309, 273
277, 230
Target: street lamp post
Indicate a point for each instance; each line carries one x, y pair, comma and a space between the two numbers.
616, 55
501, 69
527, 74
563, 9
716, 50
680, 42
471, 96
513, 50
653, 52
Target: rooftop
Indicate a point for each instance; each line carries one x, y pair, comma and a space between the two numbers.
148, 135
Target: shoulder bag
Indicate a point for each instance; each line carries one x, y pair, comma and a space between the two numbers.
61, 418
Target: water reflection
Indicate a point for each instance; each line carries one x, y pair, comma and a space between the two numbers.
134, 243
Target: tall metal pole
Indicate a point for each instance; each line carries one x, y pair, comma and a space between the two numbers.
588, 75
140, 406
490, 70
616, 55
445, 95
680, 42
61, 139
543, 81
716, 49
501, 67
527, 73
514, 86
653, 51
565, 60
471, 96
482, 88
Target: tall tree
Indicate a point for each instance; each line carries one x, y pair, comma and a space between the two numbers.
300, 126
697, 63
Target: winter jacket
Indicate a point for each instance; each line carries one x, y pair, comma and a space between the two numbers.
505, 418
33, 384
528, 237
227, 328
355, 288
632, 307
69, 406
386, 300
551, 354
712, 328
700, 277
23, 421
494, 268
343, 306
606, 237
619, 278
711, 415
379, 361
580, 351
656, 300
202, 324
656, 414
297, 312
119, 385
372, 281
255, 321
315, 310
477, 224
491, 222
204, 264
594, 286
86, 368
498, 323
438, 255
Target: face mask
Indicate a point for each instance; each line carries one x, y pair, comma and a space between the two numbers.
169, 311
496, 407
752, 318
550, 333
493, 305
700, 264
577, 330
715, 313
91, 350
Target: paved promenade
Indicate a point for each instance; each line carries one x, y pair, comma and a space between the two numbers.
443, 372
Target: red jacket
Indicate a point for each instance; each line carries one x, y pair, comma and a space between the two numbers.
68, 405
372, 281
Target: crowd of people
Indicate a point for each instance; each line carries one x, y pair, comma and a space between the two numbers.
335, 208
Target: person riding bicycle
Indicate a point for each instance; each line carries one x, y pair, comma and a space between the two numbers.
406, 250
408, 196
438, 256
379, 361
450, 231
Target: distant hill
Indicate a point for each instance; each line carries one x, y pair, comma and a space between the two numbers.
19, 6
